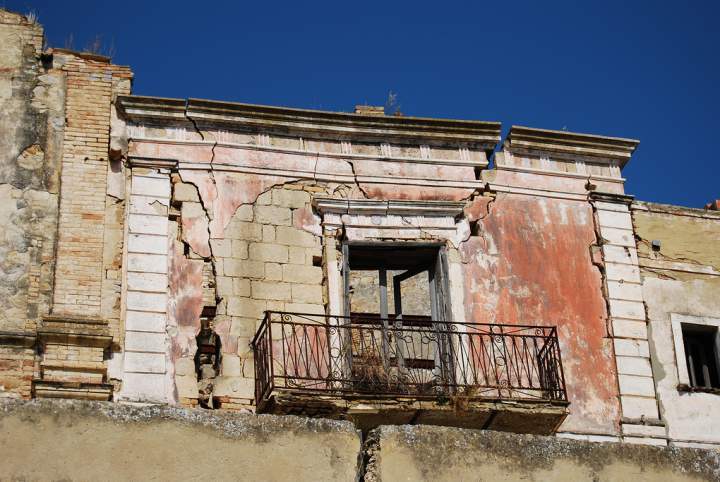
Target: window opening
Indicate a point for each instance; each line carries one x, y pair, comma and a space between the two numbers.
701, 355
396, 304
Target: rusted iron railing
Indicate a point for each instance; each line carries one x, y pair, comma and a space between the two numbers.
368, 356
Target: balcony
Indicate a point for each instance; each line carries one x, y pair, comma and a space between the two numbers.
410, 370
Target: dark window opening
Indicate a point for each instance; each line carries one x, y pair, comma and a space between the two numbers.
701, 355
395, 298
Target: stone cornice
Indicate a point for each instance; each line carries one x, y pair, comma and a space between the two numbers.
383, 208
609, 197
570, 144
306, 122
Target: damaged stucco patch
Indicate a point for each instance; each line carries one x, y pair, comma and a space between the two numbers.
528, 262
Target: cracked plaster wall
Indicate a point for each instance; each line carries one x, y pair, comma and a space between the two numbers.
525, 261
678, 279
529, 263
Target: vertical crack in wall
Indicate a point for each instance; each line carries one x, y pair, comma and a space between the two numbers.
597, 258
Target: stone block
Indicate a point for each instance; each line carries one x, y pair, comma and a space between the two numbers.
643, 430
224, 285
297, 255
630, 365
273, 272
244, 231
146, 243
243, 268
144, 362
620, 254
290, 198
633, 310
275, 305
629, 329
246, 307
302, 274
144, 321
187, 386
231, 366
143, 387
273, 215
243, 327
139, 301
241, 287
304, 293
264, 198
636, 407
141, 341
269, 252
625, 347
192, 210
636, 385
271, 291
221, 247
291, 236
149, 186
239, 249
244, 213
234, 387
149, 205
614, 219
619, 237
622, 272
624, 291
148, 224
185, 367
150, 282
308, 308
185, 192
268, 233
147, 263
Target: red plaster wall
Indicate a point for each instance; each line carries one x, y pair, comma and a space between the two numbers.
530, 264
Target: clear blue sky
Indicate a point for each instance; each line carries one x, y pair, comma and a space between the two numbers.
645, 70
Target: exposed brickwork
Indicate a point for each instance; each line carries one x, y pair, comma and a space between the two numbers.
79, 268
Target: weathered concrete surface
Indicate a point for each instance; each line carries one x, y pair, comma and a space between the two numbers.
678, 281
66, 440
530, 263
421, 453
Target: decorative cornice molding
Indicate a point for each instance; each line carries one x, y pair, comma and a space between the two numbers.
306, 122
570, 144
373, 207
308, 152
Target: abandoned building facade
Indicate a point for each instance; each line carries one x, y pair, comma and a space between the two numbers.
354, 266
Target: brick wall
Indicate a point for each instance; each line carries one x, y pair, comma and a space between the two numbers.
79, 268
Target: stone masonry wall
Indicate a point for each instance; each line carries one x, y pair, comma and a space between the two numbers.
31, 126
263, 259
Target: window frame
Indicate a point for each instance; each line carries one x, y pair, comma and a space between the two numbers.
677, 322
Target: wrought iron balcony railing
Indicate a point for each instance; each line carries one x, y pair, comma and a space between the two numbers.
364, 355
